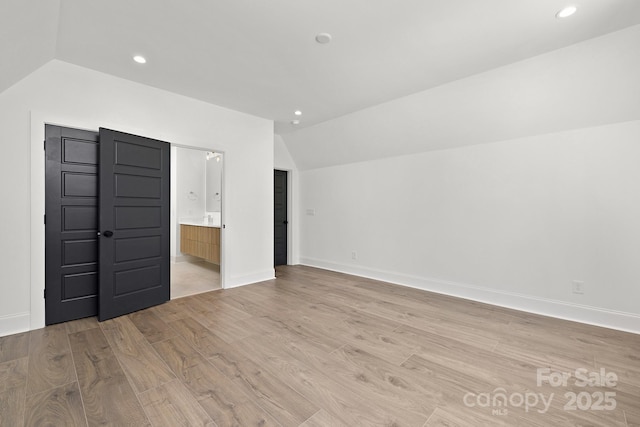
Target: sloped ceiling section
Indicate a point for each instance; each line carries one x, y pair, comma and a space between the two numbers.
28, 33
399, 76
261, 57
587, 84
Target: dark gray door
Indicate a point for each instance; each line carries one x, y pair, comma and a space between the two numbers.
134, 223
280, 217
71, 212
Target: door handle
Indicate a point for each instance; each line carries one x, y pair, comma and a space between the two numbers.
108, 233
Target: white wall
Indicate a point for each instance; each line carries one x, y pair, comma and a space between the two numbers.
65, 94
536, 183
282, 160
511, 223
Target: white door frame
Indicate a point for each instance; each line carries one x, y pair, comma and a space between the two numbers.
174, 205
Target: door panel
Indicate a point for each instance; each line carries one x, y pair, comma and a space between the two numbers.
134, 223
76, 252
79, 184
71, 200
142, 187
80, 218
280, 222
129, 217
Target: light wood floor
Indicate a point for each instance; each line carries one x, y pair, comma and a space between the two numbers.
314, 348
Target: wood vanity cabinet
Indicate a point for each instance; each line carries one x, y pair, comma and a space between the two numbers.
201, 242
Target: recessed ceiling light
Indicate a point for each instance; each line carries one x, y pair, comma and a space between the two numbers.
566, 12
295, 122
140, 59
297, 113
323, 38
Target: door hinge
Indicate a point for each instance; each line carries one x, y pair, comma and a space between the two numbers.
45, 294
45, 220
45, 145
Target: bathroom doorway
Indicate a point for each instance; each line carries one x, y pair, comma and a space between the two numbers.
196, 220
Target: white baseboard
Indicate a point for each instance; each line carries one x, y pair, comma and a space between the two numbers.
185, 258
14, 323
248, 279
628, 322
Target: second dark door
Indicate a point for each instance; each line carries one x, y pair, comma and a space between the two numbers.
71, 224
280, 222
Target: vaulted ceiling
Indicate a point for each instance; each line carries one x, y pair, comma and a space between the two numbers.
261, 57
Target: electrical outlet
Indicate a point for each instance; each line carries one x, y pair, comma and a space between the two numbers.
354, 255
577, 287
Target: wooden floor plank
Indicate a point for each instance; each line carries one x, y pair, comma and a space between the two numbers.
172, 404
81, 324
151, 326
253, 306
482, 363
386, 344
172, 310
50, 361
323, 336
624, 362
223, 400
227, 325
12, 406
13, 374
205, 341
284, 403
389, 383
61, 406
632, 418
108, 397
291, 362
281, 401
14, 347
323, 418
450, 418
139, 361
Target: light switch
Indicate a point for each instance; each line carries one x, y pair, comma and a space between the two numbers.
311, 212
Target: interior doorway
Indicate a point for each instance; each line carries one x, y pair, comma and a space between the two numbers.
112, 231
196, 221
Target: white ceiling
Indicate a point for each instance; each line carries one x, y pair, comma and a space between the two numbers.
260, 57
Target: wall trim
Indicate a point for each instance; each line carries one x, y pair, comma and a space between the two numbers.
627, 322
15, 323
184, 258
249, 279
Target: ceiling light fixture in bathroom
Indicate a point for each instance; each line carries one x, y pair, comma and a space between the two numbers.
323, 38
214, 155
566, 12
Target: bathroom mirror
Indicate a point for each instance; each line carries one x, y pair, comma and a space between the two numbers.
214, 182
